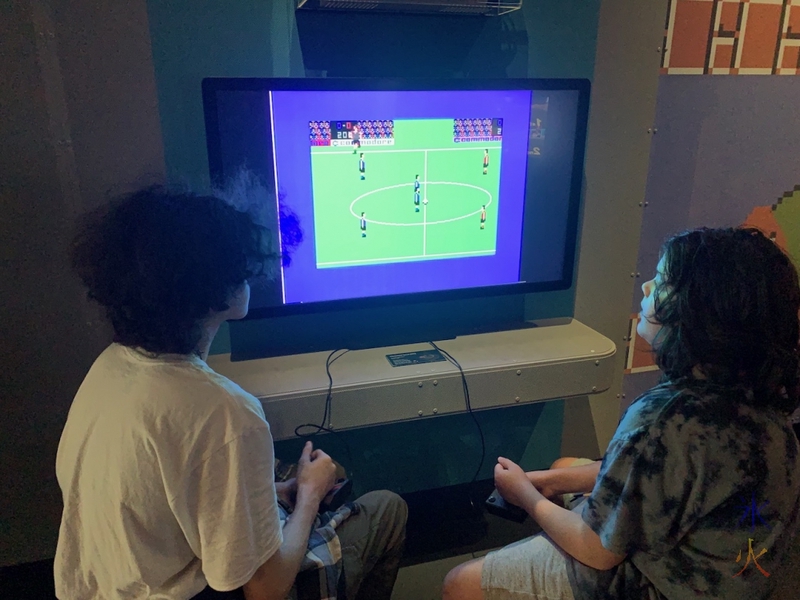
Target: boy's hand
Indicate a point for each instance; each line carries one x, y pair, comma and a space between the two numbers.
512, 482
541, 481
316, 474
287, 491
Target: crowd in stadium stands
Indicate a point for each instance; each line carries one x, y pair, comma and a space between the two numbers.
376, 129
472, 128
320, 133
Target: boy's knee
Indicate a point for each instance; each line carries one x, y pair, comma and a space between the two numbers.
452, 588
390, 505
563, 462
450, 585
570, 461
387, 511
463, 582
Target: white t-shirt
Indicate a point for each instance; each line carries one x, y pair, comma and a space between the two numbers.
166, 470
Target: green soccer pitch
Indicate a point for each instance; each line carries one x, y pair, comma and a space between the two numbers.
451, 179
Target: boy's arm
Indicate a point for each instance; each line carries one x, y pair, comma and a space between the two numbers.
570, 532
553, 482
566, 528
274, 579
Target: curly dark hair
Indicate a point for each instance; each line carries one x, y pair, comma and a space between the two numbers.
159, 261
729, 304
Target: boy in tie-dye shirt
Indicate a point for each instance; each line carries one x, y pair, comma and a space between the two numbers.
698, 494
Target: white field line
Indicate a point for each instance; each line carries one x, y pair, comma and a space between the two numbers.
400, 258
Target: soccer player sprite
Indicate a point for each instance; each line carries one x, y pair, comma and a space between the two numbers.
485, 161
363, 224
356, 139
483, 217
362, 167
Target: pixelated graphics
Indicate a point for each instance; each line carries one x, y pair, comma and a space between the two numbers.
732, 37
429, 188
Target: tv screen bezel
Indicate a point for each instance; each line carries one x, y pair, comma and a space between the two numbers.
212, 85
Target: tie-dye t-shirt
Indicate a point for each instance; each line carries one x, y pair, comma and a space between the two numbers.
693, 479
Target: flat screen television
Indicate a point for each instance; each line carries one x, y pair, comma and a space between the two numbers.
405, 190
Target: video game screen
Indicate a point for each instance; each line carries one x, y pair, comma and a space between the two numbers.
388, 192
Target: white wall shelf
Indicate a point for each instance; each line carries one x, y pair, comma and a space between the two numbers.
547, 362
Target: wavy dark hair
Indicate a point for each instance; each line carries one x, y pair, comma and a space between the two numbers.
159, 261
729, 304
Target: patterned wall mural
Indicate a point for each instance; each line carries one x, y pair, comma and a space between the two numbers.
730, 37
727, 151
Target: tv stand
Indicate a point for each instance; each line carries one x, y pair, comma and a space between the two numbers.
542, 361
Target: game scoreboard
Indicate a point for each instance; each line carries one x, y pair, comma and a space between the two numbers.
364, 132
380, 132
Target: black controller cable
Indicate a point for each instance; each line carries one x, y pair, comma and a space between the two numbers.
454, 362
317, 429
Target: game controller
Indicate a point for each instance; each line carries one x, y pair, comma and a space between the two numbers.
497, 505
337, 496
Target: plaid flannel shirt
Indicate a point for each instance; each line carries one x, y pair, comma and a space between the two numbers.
320, 576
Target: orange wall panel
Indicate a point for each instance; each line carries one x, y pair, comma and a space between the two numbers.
690, 33
761, 36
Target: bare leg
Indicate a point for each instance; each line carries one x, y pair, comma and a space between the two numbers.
464, 582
